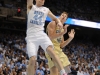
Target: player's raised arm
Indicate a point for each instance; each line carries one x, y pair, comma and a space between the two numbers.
53, 17
51, 29
71, 35
29, 4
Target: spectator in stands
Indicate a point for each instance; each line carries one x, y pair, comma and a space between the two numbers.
80, 72
46, 70
86, 72
40, 71
14, 57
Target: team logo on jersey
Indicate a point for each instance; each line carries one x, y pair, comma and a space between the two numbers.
59, 39
37, 19
58, 31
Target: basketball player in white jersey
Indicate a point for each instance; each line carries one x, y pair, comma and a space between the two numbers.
35, 34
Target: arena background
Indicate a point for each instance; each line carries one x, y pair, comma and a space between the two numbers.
13, 20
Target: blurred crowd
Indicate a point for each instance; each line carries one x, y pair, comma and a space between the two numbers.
13, 26
11, 8
13, 3
85, 10
13, 57
84, 56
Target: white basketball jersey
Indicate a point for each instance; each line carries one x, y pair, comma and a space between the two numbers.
36, 19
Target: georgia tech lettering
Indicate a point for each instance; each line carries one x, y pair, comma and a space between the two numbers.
37, 19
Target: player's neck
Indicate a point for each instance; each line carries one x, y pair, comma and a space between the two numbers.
38, 5
61, 21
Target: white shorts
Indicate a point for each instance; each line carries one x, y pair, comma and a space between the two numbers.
36, 40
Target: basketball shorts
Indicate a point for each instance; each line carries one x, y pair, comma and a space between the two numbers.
62, 57
37, 39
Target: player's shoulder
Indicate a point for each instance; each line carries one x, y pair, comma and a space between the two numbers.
52, 24
45, 7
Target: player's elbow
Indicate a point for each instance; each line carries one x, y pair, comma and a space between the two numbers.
55, 19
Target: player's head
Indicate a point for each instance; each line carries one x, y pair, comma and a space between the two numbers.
40, 2
63, 17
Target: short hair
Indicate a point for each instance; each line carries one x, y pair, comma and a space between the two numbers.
64, 13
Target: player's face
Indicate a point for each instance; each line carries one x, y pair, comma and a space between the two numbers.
40, 2
63, 17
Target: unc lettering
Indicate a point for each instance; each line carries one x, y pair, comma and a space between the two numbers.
37, 19
35, 22
38, 13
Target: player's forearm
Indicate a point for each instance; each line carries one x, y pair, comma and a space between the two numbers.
53, 17
54, 36
62, 45
29, 2
57, 20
